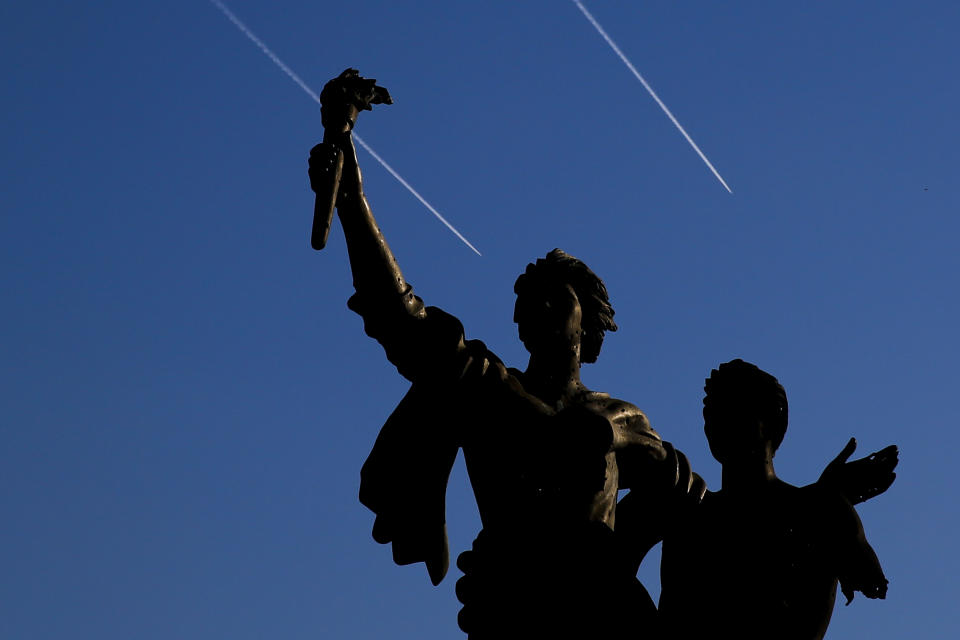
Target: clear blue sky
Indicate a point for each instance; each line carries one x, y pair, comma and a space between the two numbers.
186, 400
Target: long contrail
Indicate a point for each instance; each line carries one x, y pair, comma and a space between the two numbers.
653, 94
414, 192
310, 92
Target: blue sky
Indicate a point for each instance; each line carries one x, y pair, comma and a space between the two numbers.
187, 401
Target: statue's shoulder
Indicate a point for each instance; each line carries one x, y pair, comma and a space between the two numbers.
622, 415
481, 374
826, 502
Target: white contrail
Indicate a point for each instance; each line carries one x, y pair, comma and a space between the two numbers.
653, 94
310, 92
414, 192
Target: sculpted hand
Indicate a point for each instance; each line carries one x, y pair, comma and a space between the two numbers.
861, 479
345, 96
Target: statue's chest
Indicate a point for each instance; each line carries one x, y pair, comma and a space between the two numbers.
772, 543
527, 460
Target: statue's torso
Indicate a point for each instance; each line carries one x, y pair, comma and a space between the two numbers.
760, 568
534, 464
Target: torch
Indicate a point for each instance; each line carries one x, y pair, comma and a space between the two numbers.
341, 101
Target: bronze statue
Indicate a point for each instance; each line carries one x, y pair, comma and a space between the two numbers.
545, 454
761, 558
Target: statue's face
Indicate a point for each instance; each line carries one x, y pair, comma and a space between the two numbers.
736, 429
550, 319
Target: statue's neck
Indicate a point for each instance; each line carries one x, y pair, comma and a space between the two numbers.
750, 475
556, 381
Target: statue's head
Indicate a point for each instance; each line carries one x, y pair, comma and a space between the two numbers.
560, 299
744, 411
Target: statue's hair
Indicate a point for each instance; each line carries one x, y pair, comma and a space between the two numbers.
559, 267
742, 382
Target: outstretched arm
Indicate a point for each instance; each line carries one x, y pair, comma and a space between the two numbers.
657, 502
861, 479
851, 483
858, 567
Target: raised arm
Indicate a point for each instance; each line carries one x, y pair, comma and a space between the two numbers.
376, 273
423, 343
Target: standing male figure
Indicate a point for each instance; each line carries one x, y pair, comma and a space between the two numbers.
761, 558
545, 454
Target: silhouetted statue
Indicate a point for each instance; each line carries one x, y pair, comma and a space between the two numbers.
761, 558
545, 455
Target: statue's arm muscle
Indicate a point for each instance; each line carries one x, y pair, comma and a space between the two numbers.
857, 564
418, 340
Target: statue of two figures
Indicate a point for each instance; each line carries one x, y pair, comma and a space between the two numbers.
558, 554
